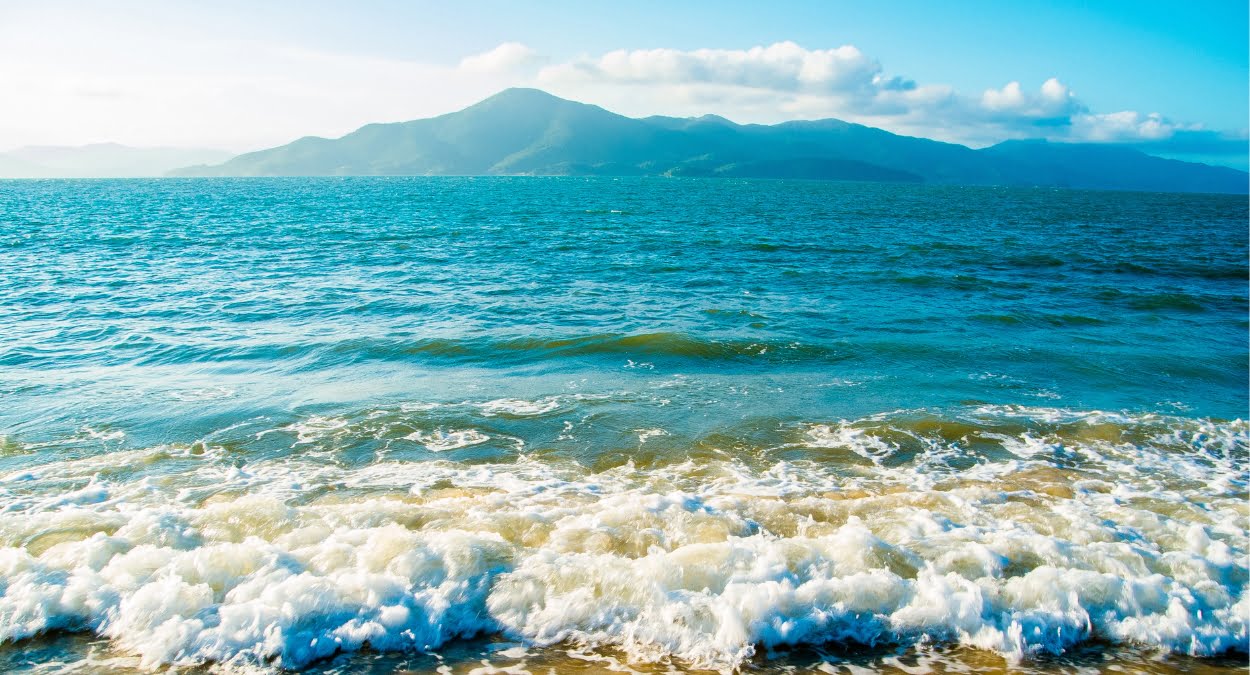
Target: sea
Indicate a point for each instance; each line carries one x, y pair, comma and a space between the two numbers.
585, 425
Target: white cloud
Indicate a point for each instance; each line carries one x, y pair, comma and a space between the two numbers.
1127, 125
785, 81
509, 56
1007, 98
1052, 101
106, 78
1055, 91
784, 66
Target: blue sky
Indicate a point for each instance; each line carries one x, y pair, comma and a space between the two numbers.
1169, 77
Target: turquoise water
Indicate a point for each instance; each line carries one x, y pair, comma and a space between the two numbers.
270, 421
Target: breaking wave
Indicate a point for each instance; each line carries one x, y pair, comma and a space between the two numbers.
1025, 531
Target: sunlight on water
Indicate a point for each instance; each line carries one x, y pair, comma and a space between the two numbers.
377, 425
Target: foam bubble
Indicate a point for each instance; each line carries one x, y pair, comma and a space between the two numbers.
519, 407
315, 428
645, 435
1072, 533
441, 441
843, 435
202, 394
103, 434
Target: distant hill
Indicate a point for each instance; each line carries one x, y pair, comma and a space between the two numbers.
101, 160
12, 167
530, 132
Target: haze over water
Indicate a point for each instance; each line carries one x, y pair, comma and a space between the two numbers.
569, 423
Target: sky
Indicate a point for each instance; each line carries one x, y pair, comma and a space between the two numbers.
1171, 78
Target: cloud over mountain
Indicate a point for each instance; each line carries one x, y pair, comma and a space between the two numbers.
843, 82
236, 91
530, 132
784, 66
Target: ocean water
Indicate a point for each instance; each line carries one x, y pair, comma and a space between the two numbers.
570, 425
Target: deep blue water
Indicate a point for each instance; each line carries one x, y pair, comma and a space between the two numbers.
167, 346
851, 298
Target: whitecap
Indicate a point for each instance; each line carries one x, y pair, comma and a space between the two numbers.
701, 563
315, 428
645, 435
843, 435
441, 441
519, 407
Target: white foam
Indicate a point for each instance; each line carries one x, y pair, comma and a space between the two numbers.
846, 436
441, 441
281, 562
104, 435
316, 428
519, 407
202, 394
645, 435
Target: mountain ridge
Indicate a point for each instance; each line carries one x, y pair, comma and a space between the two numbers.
531, 132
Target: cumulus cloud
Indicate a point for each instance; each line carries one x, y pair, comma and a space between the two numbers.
784, 66
211, 90
1156, 134
770, 83
1127, 125
1052, 101
760, 84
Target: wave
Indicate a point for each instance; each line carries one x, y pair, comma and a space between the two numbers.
499, 350
1041, 319
1026, 531
1169, 301
890, 342
645, 344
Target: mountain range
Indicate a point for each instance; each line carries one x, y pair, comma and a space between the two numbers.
531, 132
100, 160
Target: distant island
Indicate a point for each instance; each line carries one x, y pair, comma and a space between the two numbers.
531, 132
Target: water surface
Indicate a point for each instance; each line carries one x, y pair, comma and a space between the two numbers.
394, 423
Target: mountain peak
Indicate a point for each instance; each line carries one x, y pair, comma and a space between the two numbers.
525, 131
526, 92
523, 96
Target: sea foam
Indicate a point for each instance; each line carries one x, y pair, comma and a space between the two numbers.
183, 558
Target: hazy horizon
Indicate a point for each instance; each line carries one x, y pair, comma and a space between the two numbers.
112, 160
240, 78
